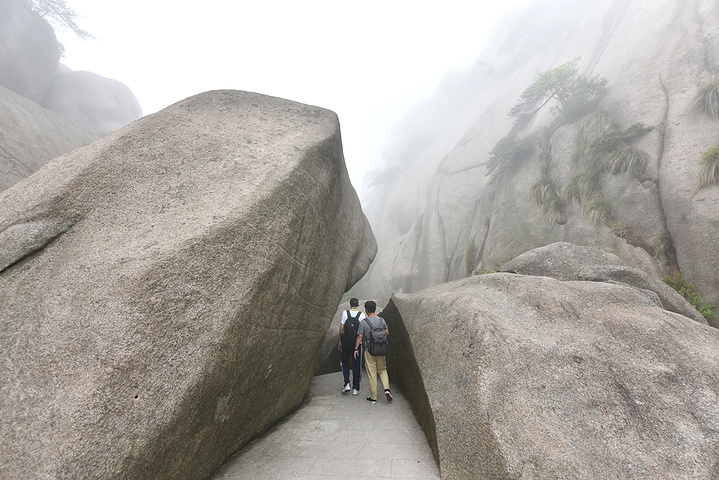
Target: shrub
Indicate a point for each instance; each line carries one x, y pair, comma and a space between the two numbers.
687, 290
706, 101
620, 229
710, 167
508, 150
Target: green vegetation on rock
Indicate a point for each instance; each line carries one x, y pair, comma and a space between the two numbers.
620, 229
583, 185
663, 245
549, 200
575, 93
710, 167
603, 145
689, 292
597, 209
706, 101
508, 150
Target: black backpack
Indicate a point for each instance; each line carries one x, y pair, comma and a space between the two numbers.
377, 339
349, 334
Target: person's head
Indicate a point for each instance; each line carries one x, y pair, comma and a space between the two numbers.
370, 306
354, 302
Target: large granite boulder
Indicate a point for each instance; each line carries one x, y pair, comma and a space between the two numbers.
516, 376
29, 51
101, 105
165, 290
32, 136
565, 261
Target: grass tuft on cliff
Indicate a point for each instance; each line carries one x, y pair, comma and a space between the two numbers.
709, 174
549, 201
597, 209
706, 101
583, 185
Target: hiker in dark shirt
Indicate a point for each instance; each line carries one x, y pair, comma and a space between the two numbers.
348, 332
374, 364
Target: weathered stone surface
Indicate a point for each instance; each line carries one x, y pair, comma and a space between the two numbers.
516, 376
31, 136
184, 271
29, 52
655, 55
565, 261
560, 260
99, 104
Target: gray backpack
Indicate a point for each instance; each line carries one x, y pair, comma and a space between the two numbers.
377, 344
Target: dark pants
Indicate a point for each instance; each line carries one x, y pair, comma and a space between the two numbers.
348, 361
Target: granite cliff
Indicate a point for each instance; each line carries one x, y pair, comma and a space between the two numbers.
446, 210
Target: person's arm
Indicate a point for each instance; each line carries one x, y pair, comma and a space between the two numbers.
342, 329
357, 344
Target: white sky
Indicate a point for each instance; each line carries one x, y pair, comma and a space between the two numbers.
367, 61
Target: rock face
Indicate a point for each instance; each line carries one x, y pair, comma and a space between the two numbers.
29, 52
164, 291
99, 104
655, 56
31, 136
515, 376
565, 261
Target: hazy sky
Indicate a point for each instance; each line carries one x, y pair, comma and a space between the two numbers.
367, 61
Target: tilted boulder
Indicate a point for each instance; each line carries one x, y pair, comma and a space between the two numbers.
101, 105
31, 136
515, 376
165, 290
566, 261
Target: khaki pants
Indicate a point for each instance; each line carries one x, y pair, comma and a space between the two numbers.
376, 365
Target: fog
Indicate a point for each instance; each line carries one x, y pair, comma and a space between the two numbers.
369, 62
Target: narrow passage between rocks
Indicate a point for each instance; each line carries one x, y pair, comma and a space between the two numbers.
340, 436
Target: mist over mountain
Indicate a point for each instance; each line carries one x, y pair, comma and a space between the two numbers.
442, 210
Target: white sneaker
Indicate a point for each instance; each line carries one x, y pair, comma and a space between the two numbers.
355, 392
346, 388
